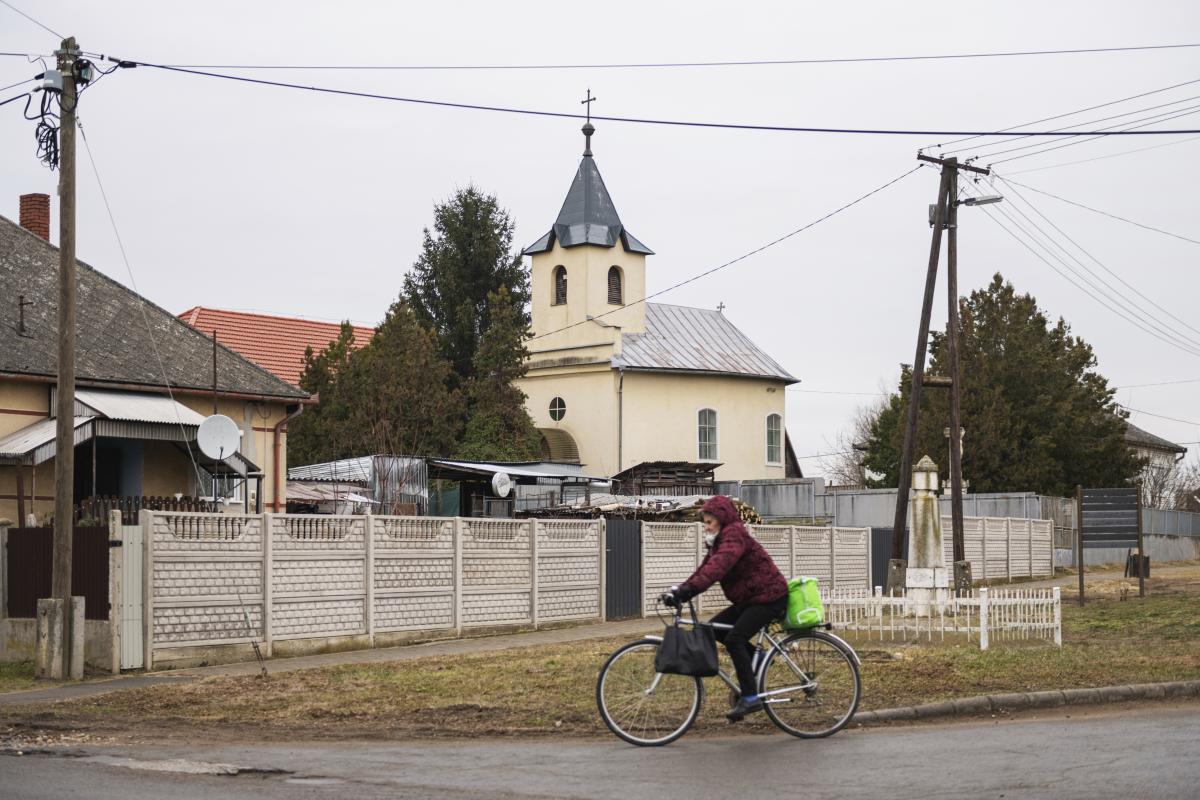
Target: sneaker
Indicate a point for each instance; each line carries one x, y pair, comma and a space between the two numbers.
742, 708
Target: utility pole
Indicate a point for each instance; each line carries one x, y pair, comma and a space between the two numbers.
64, 454
945, 216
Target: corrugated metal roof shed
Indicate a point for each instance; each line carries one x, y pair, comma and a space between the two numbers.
21, 442
697, 340
138, 407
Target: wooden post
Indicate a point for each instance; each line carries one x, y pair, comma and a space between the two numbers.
956, 495
1141, 553
1056, 592
642, 542
1079, 538
832, 557
918, 366
64, 453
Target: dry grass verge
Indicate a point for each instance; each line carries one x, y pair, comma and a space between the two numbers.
550, 689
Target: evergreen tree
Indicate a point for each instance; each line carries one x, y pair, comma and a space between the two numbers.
1037, 414
498, 426
467, 256
312, 437
396, 393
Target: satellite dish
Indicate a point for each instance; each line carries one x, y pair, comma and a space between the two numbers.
218, 437
501, 484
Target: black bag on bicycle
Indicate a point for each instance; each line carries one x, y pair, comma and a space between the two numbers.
687, 650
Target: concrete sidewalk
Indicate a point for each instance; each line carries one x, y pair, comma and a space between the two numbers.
448, 647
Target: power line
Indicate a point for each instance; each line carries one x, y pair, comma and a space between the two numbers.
1160, 383
1124, 282
18, 83
1144, 317
46, 28
1011, 182
1123, 314
1159, 416
1097, 134
1067, 114
13, 99
678, 64
731, 262
638, 120
1101, 158
1015, 137
142, 307
830, 391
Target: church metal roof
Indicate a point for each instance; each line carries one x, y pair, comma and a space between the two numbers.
695, 340
588, 216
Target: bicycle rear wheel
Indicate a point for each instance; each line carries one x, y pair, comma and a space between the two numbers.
818, 682
642, 706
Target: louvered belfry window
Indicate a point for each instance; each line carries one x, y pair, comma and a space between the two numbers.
560, 285
615, 294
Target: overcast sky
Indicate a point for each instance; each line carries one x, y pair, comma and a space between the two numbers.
238, 196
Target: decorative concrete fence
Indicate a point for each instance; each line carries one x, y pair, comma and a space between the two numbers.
983, 616
837, 557
295, 584
1003, 548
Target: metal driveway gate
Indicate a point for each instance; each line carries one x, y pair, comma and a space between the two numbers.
623, 568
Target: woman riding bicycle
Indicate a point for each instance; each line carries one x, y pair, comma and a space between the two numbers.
749, 579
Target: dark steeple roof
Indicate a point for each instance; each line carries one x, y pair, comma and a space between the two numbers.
588, 215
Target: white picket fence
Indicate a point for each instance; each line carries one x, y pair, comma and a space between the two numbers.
984, 616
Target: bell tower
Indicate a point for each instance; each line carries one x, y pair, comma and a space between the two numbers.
589, 271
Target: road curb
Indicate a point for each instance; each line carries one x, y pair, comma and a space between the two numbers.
1015, 701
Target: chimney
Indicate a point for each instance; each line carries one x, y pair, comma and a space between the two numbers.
35, 214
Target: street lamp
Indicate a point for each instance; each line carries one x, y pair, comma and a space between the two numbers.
982, 200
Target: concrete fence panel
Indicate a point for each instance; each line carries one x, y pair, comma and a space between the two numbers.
300, 583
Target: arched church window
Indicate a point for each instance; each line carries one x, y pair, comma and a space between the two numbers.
706, 434
774, 439
616, 295
560, 285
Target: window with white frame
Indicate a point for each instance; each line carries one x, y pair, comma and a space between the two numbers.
706, 434
774, 439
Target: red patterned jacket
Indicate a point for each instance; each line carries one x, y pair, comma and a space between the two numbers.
736, 560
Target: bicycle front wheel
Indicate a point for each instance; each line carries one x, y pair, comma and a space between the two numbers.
642, 706
810, 685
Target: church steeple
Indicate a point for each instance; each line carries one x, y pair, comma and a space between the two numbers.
588, 215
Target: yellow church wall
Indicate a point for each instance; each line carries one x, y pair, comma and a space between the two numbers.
22, 403
591, 398
660, 420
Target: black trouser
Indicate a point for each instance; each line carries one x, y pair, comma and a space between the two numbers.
747, 620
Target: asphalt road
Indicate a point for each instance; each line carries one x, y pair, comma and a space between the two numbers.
1149, 752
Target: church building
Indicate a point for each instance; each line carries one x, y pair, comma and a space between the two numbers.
614, 381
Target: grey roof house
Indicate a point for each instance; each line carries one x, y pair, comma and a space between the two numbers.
144, 381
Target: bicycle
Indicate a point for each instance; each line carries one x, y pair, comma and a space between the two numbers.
809, 681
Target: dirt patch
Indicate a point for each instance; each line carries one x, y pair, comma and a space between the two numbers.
550, 690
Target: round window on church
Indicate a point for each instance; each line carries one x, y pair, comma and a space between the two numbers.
558, 409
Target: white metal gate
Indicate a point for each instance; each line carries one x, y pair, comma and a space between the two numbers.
132, 650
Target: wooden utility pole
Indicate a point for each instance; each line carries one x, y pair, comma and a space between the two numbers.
945, 216
956, 497
64, 454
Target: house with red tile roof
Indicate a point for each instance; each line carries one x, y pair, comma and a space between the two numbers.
275, 343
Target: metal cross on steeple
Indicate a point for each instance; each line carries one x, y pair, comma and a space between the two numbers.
588, 102
588, 128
